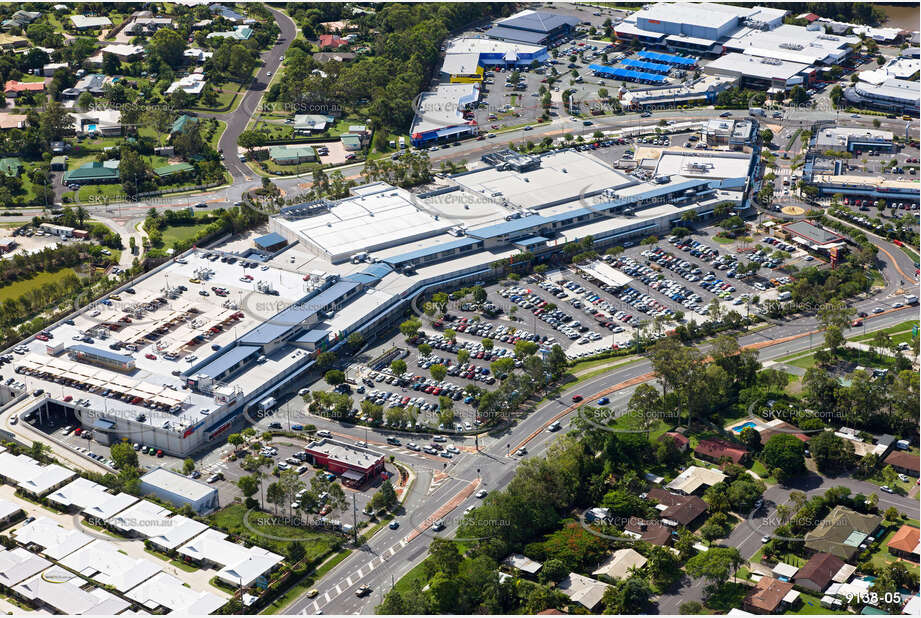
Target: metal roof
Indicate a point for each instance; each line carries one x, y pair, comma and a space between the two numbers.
228, 359
509, 227
647, 66
626, 74
514, 34
667, 58
101, 353
270, 240
430, 251
313, 336
538, 21
534, 240
288, 319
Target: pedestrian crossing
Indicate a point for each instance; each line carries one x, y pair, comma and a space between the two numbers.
356, 576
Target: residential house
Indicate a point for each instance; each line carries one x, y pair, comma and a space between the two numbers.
292, 154
196, 55
331, 41
83, 22
904, 543
770, 596
14, 88
175, 169
92, 83
51, 68
123, 51
620, 564
191, 84
93, 173
842, 533
9, 511
586, 591
337, 56
681, 441
240, 33
817, 573
226, 12
59, 163
147, 25
239, 565
20, 19
719, 450
11, 41
650, 531
678, 509
352, 142
523, 564
695, 479
12, 121
106, 122
312, 123
904, 462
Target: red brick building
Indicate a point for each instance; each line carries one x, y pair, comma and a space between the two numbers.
355, 464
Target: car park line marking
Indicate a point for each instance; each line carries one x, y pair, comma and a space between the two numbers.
339, 590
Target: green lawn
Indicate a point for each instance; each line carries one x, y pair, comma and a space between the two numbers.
890, 330
99, 193
305, 584
18, 288
811, 605
911, 253
263, 530
181, 233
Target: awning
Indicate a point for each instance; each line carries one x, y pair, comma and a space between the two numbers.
351, 475
103, 424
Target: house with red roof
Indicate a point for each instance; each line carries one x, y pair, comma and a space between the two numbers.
715, 450
904, 543
681, 441
903, 462
13, 88
332, 40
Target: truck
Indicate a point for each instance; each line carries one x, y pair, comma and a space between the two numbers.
911, 299
784, 296
267, 404
402, 142
755, 111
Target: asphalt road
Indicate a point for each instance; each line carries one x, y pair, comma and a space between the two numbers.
389, 555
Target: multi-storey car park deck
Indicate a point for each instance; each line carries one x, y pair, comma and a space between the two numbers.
193, 363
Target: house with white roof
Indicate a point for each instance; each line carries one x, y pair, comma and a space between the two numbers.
240, 566
192, 84
179, 529
143, 519
62, 592
30, 477
165, 591
83, 22
9, 511
583, 590
79, 493
102, 562
103, 511
54, 540
19, 564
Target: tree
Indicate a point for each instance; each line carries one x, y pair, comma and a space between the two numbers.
834, 339
356, 340
690, 608
438, 371
487, 343
462, 356
235, 440
398, 367
766, 136
525, 348
751, 439
248, 485
479, 294
716, 565
831, 453
554, 570
410, 327
188, 466
168, 45
86, 100
786, 452
334, 377
798, 95
443, 557
124, 455
295, 552
325, 359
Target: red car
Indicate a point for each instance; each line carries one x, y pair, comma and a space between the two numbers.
41, 337
68, 398
150, 356
577, 398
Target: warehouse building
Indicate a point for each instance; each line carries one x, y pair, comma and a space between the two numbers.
533, 27
852, 139
356, 465
440, 115
893, 95
180, 490
492, 53
800, 44
770, 75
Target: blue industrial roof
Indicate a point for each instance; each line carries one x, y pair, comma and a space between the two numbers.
228, 359
645, 66
430, 251
534, 240
515, 225
372, 274
313, 336
270, 240
626, 73
113, 356
667, 58
286, 320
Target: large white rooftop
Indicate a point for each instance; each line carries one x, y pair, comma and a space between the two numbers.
101, 561
792, 44
763, 67
164, 590
706, 164
177, 484
55, 540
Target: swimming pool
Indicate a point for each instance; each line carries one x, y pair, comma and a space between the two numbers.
741, 427
91, 128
